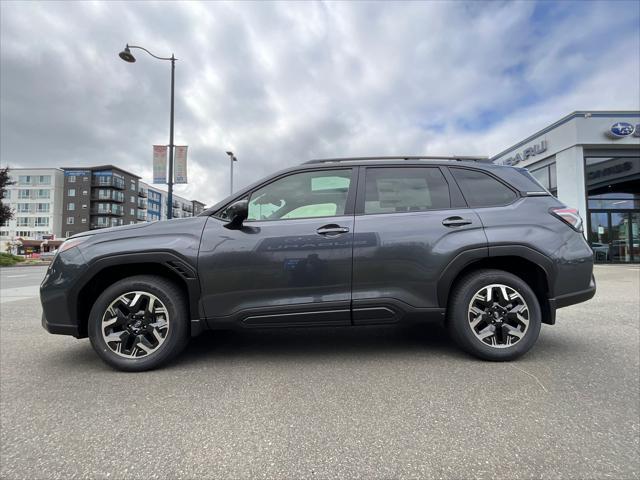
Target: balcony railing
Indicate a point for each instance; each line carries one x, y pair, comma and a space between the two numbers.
119, 212
107, 182
142, 193
112, 197
142, 204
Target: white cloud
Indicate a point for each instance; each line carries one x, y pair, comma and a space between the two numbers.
280, 83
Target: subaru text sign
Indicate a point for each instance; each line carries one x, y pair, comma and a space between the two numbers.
531, 151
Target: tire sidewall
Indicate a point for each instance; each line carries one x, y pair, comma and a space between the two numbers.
169, 295
459, 323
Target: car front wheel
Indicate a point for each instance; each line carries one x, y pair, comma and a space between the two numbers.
139, 323
494, 315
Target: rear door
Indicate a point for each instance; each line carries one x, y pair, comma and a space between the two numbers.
411, 222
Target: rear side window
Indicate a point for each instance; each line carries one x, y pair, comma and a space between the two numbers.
395, 190
482, 190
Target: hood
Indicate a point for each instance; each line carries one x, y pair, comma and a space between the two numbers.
125, 229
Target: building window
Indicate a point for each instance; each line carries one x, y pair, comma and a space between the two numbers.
133, 199
6, 194
72, 192
42, 221
25, 179
44, 193
71, 206
44, 179
23, 233
4, 233
85, 192
22, 221
23, 193
133, 186
84, 205
70, 220
546, 176
22, 208
132, 211
42, 208
84, 220
67, 234
71, 179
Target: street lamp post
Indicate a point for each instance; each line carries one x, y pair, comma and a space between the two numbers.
127, 56
232, 158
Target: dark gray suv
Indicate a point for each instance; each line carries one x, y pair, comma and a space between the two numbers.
340, 242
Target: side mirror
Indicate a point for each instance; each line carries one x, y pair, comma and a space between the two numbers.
237, 213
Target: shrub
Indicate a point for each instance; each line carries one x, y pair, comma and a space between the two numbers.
6, 259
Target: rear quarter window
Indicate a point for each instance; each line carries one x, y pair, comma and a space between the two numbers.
482, 190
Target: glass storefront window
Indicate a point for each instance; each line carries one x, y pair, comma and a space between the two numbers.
613, 201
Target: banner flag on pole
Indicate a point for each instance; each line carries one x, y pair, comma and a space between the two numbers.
180, 164
159, 164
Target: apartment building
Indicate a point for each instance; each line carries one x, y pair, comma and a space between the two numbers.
36, 201
100, 197
156, 201
53, 203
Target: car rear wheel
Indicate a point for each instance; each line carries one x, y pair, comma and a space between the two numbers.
139, 323
494, 315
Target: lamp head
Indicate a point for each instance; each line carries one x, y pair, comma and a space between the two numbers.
126, 55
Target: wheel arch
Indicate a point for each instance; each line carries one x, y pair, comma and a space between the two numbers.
108, 270
529, 265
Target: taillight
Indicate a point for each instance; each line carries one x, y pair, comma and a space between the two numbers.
570, 216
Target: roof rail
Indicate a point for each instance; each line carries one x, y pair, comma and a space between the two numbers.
401, 157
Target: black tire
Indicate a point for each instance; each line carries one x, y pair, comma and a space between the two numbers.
458, 322
176, 337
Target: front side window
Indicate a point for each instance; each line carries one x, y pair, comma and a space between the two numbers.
302, 195
405, 189
481, 189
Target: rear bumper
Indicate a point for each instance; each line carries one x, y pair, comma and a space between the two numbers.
60, 329
571, 299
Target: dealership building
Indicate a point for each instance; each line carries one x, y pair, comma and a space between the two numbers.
591, 161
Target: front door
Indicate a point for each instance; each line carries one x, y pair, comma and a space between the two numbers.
290, 264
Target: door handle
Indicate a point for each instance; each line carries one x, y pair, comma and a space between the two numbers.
456, 222
332, 230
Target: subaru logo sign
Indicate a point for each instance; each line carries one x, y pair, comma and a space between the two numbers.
621, 129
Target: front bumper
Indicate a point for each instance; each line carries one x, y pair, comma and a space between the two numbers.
59, 294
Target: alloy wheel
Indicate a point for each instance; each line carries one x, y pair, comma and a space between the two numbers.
135, 324
498, 316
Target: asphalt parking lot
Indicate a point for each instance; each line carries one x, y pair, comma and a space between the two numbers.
340, 403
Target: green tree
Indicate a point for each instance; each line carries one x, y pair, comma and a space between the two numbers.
5, 211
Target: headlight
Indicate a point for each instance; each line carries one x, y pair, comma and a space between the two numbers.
72, 242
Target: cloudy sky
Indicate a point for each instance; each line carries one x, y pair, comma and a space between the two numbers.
281, 83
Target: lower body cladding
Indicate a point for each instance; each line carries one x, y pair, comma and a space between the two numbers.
379, 312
